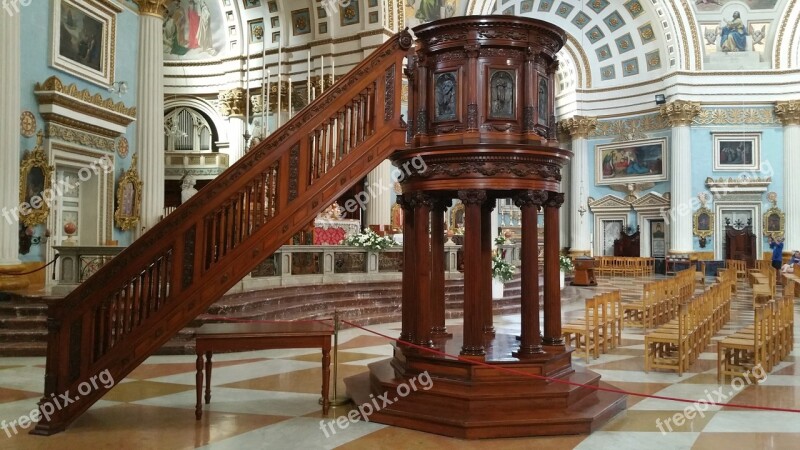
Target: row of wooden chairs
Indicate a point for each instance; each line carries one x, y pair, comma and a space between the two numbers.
765, 343
624, 266
659, 301
763, 281
600, 329
739, 266
678, 343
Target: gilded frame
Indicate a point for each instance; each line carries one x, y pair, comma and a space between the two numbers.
456, 211
703, 223
129, 198
35, 177
774, 223
93, 57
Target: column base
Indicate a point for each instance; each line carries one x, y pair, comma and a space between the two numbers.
531, 351
477, 352
440, 332
11, 280
553, 342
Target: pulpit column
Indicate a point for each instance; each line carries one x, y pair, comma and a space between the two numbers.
422, 204
680, 114
409, 305
473, 201
438, 328
579, 128
10, 109
486, 263
529, 203
150, 109
789, 114
552, 282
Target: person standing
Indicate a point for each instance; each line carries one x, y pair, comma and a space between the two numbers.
777, 255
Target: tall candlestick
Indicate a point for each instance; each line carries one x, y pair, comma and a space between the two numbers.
333, 70
280, 79
290, 98
247, 93
263, 87
321, 74
308, 78
266, 105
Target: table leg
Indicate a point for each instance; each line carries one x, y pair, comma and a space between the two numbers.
208, 377
326, 376
198, 409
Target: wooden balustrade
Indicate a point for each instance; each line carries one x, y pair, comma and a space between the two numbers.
140, 299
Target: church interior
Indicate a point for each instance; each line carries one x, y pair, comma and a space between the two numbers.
399, 223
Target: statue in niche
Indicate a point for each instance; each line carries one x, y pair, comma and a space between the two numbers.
734, 36
502, 92
543, 97
446, 96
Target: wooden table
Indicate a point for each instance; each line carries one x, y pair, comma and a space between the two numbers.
260, 336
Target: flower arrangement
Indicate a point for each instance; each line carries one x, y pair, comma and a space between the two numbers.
565, 264
370, 240
502, 270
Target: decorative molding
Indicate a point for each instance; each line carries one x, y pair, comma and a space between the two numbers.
66, 134
651, 201
609, 203
743, 184
578, 126
680, 112
554, 200
788, 112
232, 103
630, 128
27, 124
736, 116
388, 101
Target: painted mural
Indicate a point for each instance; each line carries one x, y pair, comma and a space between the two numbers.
423, 11
716, 5
193, 29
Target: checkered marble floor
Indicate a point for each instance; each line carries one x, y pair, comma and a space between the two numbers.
269, 399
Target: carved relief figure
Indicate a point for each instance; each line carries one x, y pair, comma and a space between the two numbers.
543, 101
502, 91
446, 96
734, 35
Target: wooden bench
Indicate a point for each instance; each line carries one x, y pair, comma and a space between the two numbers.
228, 337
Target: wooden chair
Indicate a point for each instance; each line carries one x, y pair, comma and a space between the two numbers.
740, 352
668, 347
586, 333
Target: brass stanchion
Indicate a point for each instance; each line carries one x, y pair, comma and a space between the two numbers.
336, 400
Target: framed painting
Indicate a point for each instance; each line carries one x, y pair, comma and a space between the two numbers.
630, 162
129, 198
35, 182
84, 35
774, 223
703, 225
737, 151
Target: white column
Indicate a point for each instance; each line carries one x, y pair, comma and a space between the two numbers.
235, 138
379, 187
9, 134
150, 109
579, 128
232, 105
680, 114
789, 114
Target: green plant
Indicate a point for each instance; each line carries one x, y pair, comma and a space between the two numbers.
370, 240
499, 240
565, 264
502, 270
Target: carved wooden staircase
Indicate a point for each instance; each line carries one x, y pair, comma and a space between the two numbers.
169, 276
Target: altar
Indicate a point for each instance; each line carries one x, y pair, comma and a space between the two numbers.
333, 232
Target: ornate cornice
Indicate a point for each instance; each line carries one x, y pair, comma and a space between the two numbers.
736, 116
157, 8
788, 112
56, 131
578, 126
232, 103
630, 127
54, 84
680, 112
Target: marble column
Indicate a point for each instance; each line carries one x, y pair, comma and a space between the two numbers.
150, 108
789, 114
579, 128
232, 106
680, 114
10, 110
379, 187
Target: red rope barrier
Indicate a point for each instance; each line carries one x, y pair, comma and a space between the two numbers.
571, 383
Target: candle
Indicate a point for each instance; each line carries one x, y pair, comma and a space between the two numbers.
313, 93
322, 74
266, 105
308, 78
247, 91
290, 97
280, 79
263, 87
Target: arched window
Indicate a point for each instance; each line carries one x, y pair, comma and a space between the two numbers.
186, 130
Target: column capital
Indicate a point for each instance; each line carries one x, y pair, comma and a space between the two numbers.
441, 204
530, 198
680, 112
472, 196
554, 199
788, 112
232, 102
156, 8
419, 200
578, 126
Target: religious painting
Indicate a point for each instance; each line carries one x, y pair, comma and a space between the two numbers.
349, 15
397, 219
193, 29
301, 22
737, 151
423, 11
129, 198
733, 37
34, 179
502, 87
774, 223
716, 5
445, 96
703, 225
84, 38
631, 162
458, 218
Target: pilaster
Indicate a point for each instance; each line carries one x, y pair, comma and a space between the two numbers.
789, 114
579, 128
